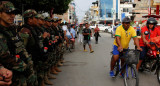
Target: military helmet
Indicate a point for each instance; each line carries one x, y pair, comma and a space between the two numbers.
29, 13
8, 7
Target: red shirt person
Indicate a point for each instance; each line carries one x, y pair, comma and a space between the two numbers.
96, 34
153, 32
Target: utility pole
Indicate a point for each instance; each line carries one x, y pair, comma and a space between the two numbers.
105, 10
114, 11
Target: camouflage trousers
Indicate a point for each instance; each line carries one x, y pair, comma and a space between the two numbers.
59, 52
19, 80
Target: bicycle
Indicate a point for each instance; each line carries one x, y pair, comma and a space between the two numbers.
130, 77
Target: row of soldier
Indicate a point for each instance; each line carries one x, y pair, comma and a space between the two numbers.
31, 52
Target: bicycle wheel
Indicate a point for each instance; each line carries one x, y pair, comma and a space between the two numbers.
158, 74
116, 69
131, 76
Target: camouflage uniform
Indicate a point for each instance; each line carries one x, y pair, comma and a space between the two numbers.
56, 30
13, 54
35, 44
61, 42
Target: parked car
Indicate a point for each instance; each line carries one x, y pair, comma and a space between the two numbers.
110, 29
92, 26
113, 30
100, 26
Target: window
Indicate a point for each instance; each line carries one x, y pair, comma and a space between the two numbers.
125, 10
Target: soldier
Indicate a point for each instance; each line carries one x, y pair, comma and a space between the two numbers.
61, 42
13, 54
33, 40
55, 68
48, 43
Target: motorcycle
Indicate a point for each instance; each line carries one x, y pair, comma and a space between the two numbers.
152, 60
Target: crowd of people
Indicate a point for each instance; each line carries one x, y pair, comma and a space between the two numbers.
31, 53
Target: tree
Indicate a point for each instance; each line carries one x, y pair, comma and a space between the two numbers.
59, 6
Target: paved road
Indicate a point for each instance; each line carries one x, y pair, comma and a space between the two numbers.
92, 69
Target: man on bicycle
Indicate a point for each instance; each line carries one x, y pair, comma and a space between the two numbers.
153, 32
123, 35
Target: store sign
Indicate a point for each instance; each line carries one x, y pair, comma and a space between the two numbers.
156, 2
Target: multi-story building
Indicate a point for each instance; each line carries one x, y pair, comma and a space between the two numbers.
109, 10
70, 15
142, 7
126, 9
94, 13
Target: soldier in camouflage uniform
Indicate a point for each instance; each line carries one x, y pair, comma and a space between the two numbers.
13, 54
55, 69
62, 42
33, 40
52, 44
48, 43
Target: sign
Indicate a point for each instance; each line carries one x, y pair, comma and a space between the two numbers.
156, 2
113, 11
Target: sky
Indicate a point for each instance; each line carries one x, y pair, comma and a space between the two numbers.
81, 7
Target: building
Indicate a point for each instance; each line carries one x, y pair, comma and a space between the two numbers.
142, 7
94, 13
70, 15
126, 10
109, 10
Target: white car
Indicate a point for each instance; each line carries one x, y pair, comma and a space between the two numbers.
110, 29
102, 27
92, 26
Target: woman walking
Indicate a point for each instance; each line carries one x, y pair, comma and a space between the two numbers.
96, 34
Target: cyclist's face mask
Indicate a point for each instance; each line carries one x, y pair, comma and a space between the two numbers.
126, 25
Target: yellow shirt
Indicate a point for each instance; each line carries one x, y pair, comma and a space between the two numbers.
125, 36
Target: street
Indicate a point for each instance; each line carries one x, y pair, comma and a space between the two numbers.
92, 69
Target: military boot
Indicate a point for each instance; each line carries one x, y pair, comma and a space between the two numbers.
62, 61
42, 83
53, 71
46, 81
50, 76
59, 63
58, 70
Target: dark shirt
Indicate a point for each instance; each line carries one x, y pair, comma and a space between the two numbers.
86, 37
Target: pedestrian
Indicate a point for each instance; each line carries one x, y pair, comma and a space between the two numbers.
80, 37
87, 38
96, 34
73, 34
67, 34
